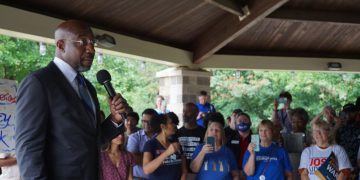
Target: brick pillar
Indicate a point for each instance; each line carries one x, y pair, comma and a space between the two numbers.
182, 85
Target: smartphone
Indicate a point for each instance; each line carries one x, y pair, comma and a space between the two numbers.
256, 140
281, 102
211, 140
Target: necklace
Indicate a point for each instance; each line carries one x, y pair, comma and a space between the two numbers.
262, 176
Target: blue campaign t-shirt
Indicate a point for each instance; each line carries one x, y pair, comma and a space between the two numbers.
205, 108
277, 158
216, 165
170, 167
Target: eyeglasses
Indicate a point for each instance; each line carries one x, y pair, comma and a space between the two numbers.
83, 42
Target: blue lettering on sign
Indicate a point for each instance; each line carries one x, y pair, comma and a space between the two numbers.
4, 120
2, 138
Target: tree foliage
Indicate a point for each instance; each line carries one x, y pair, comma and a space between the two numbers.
255, 91
252, 91
18, 57
133, 78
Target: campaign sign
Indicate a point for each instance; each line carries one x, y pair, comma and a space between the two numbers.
329, 169
7, 115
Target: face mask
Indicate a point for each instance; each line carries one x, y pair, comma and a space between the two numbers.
242, 126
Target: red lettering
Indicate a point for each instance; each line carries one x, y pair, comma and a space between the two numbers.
317, 161
7, 98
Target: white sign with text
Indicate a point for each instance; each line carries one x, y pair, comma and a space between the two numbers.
7, 115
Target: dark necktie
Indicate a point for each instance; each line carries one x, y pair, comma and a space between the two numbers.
84, 95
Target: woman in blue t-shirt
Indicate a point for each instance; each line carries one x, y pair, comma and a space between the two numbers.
163, 158
213, 160
271, 161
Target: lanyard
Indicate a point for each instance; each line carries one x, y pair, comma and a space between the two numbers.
268, 163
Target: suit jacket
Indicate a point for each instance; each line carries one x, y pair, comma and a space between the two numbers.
56, 138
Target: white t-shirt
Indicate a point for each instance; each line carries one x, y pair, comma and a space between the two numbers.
313, 157
9, 172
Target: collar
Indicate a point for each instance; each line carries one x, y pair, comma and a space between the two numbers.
66, 69
142, 133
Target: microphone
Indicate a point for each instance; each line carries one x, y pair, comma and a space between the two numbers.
104, 78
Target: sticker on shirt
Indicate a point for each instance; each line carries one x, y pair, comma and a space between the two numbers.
235, 142
216, 166
170, 160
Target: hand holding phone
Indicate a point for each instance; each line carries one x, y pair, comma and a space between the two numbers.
211, 141
281, 102
256, 140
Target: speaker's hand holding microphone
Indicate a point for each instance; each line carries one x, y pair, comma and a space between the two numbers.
118, 105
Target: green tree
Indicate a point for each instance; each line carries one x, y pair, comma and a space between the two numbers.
255, 91
252, 91
133, 78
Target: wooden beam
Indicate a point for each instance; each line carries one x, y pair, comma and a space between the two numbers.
231, 6
278, 63
316, 15
230, 27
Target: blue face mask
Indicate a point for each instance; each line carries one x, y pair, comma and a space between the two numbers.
242, 126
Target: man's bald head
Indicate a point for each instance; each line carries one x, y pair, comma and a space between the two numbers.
71, 28
75, 44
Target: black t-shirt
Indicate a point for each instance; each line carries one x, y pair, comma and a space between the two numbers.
189, 140
170, 167
237, 145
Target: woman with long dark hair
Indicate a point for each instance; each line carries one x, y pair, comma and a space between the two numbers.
163, 158
115, 161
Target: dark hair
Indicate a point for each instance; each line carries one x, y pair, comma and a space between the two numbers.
244, 114
301, 113
286, 94
102, 115
357, 103
349, 108
134, 115
191, 106
203, 93
214, 117
157, 121
173, 117
237, 111
150, 112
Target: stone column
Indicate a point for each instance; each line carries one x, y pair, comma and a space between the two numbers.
182, 85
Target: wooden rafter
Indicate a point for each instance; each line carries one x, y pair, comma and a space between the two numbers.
316, 15
230, 27
231, 6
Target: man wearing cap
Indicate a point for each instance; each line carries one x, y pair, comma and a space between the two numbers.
348, 136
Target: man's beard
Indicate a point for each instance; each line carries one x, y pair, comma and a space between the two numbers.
80, 68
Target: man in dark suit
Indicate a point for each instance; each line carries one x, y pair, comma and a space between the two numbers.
58, 114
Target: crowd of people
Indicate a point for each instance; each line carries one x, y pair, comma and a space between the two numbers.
61, 134
289, 146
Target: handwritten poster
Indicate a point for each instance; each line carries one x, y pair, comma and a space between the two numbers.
7, 115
